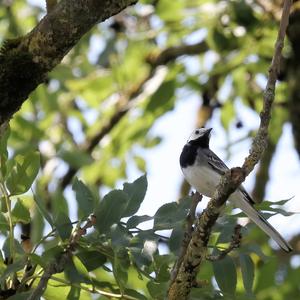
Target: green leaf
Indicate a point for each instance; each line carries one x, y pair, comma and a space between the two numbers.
226, 231
168, 216
84, 197
76, 272
139, 257
257, 250
21, 296
20, 213
42, 209
91, 259
247, 268
36, 259
120, 267
225, 274
13, 268
157, 290
6, 248
23, 173
136, 220
163, 265
110, 209
136, 192
63, 225
76, 158
164, 93
227, 113
119, 236
74, 293
4, 226
135, 294
170, 11
176, 238
51, 255
3, 150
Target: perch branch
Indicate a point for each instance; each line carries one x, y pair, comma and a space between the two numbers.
190, 220
196, 252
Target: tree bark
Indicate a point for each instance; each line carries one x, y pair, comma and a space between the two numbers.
293, 67
25, 61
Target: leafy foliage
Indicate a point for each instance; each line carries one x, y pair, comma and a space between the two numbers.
93, 119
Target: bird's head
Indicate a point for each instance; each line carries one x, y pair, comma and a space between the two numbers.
200, 137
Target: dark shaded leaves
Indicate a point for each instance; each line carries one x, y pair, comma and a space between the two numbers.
110, 209
225, 274
136, 192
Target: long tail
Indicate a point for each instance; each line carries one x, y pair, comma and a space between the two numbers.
239, 201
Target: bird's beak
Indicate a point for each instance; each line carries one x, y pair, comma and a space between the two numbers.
208, 130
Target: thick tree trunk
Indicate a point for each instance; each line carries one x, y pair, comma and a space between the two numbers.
294, 74
25, 61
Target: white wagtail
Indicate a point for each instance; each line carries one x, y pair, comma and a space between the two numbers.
203, 169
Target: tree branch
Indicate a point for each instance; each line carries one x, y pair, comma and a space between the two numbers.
293, 74
190, 220
171, 53
196, 251
235, 243
50, 4
25, 61
59, 264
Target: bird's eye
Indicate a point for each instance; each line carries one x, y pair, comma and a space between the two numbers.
197, 131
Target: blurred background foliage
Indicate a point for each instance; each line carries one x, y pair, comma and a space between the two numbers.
93, 116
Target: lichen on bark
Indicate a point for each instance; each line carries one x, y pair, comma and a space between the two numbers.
25, 62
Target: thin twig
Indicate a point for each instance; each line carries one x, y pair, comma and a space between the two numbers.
235, 243
92, 290
59, 264
196, 252
11, 226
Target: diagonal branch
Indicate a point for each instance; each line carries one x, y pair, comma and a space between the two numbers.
196, 252
25, 61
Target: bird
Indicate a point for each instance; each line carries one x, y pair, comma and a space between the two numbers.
203, 169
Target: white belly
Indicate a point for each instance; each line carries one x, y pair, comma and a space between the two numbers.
204, 180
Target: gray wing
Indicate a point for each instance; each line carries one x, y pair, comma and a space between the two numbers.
215, 162
220, 167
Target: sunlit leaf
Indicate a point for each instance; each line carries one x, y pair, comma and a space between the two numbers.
76, 272
74, 293
23, 173
20, 213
